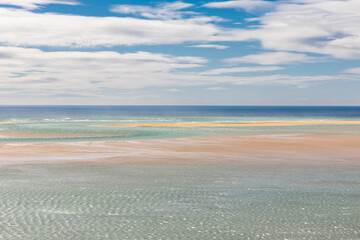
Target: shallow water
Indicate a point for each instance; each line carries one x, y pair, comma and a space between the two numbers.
69, 201
76, 123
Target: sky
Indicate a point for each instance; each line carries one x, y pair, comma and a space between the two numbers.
132, 52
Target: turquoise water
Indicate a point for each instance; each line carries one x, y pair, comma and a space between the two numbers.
76, 123
92, 202
101, 202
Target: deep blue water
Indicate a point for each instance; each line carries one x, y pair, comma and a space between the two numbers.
236, 111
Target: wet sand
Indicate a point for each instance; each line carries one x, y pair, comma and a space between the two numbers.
282, 123
249, 150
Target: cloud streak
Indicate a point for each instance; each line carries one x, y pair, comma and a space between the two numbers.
291, 26
35, 4
219, 71
274, 58
353, 70
82, 59
24, 28
216, 46
107, 72
248, 5
161, 11
324, 27
35, 69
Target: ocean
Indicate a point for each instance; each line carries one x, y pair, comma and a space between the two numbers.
79, 123
107, 201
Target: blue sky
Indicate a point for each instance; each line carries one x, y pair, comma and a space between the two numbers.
240, 52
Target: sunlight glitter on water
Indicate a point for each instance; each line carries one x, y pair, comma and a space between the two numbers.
178, 202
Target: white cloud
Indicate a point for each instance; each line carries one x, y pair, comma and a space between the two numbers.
216, 46
35, 4
289, 30
174, 90
324, 27
215, 88
219, 71
30, 68
273, 58
301, 81
29, 71
161, 11
24, 28
248, 5
353, 70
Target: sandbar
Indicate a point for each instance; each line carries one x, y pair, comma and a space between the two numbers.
220, 124
244, 150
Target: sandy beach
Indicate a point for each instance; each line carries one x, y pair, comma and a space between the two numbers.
250, 150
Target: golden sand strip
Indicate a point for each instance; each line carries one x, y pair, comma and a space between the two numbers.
283, 123
5, 122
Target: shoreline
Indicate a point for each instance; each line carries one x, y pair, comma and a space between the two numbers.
244, 150
277, 123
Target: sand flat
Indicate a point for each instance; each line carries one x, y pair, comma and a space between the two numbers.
278, 123
249, 150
